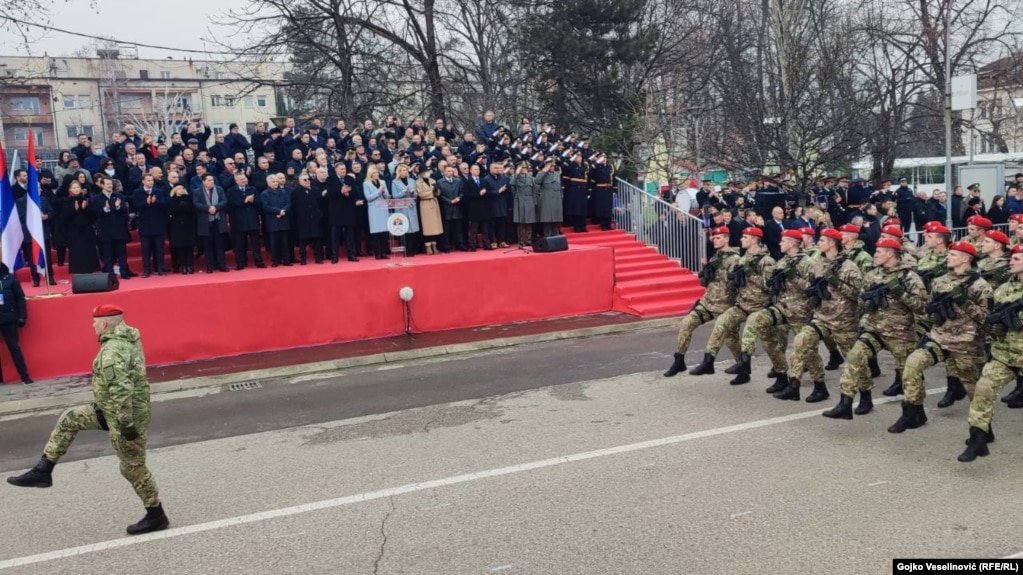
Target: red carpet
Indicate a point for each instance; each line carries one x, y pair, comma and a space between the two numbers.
647, 283
202, 316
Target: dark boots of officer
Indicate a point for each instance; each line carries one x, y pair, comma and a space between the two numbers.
743, 368
844, 409
1014, 397
791, 391
155, 520
895, 388
677, 365
875, 369
866, 403
976, 445
835, 360
954, 393
39, 476
819, 393
913, 416
706, 366
781, 381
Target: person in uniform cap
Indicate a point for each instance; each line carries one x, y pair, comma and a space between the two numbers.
121, 408
1006, 358
975, 228
994, 266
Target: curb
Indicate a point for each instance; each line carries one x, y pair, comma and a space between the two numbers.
17, 406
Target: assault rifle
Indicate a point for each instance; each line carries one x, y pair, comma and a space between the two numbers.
1005, 318
875, 298
738, 276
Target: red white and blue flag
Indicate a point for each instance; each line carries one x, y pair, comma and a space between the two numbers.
12, 234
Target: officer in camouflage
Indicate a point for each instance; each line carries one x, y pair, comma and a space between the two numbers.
854, 250
906, 257
1015, 397
892, 294
1006, 327
959, 305
749, 277
976, 226
834, 294
811, 250
719, 298
121, 391
994, 267
791, 310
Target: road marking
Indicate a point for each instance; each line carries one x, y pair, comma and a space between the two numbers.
411, 488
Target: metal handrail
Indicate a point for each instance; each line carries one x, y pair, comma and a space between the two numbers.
675, 233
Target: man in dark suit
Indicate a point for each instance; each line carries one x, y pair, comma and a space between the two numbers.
111, 210
151, 205
772, 232
210, 201
244, 206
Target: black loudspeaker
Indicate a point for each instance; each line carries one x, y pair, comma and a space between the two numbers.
94, 283
551, 244
767, 201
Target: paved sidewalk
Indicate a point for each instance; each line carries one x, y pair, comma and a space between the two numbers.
55, 393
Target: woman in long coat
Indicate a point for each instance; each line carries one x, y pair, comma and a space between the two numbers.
429, 212
79, 230
376, 197
525, 192
181, 230
549, 183
404, 186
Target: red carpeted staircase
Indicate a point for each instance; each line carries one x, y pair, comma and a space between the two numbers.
647, 284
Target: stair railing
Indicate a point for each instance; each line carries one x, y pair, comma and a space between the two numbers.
675, 233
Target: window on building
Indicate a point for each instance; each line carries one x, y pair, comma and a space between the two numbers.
73, 131
218, 129
184, 103
250, 127
229, 101
21, 135
143, 74
261, 101
165, 75
129, 102
25, 104
216, 101
247, 101
69, 103
87, 130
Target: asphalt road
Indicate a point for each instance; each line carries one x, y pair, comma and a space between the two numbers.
574, 457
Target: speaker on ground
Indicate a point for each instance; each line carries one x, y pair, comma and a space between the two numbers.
551, 244
94, 283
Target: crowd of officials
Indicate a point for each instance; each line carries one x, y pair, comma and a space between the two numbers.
314, 193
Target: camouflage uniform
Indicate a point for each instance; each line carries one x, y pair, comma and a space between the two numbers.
791, 310
995, 271
1006, 360
835, 318
890, 328
751, 297
719, 298
959, 343
975, 242
813, 254
121, 390
860, 257
932, 265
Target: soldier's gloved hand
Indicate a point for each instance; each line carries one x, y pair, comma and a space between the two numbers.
961, 298
899, 290
831, 277
129, 433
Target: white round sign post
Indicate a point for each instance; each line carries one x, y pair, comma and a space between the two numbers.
398, 226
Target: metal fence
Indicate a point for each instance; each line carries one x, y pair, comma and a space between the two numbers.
675, 233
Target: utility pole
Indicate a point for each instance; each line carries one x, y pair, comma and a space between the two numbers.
948, 116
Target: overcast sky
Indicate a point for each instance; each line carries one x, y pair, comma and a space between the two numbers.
174, 23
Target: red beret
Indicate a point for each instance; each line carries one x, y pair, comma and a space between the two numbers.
966, 248
979, 221
720, 231
893, 222
794, 234
850, 229
1016, 218
892, 231
833, 234
1017, 249
929, 225
806, 231
106, 310
753, 231
889, 243
937, 228
997, 236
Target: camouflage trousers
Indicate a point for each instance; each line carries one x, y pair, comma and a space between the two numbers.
694, 319
995, 376
806, 349
132, 454
726, 331
965, 366
771, 327
856, 375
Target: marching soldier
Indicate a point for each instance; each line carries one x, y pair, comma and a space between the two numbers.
892, 295
976, 226
959, 305
994, 267
1006, 357
749, 277
854, 250
788, 283
894, 232
834, 293
719, 298
121, 409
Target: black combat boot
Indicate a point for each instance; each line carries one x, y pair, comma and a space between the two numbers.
780, 383
865, 405
976, 445
841, 411
954, 393
706, 366
913, 416
834, 361
772, 373
895, 388
741, 366
820, 392
679, 364
39, 476
155, 520
791, 392
990, 434
875, 370
1016, 393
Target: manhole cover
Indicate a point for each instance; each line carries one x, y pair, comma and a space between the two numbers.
245, 386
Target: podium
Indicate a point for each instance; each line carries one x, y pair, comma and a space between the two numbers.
399, 224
